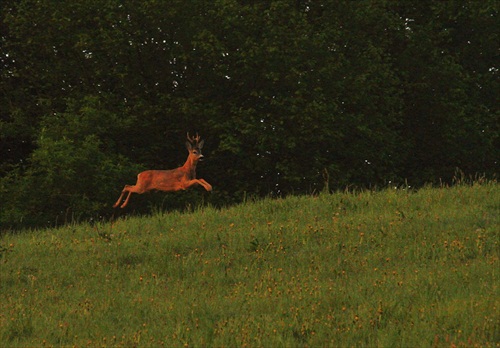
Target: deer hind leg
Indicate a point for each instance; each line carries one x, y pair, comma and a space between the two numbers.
121, 196
130, 189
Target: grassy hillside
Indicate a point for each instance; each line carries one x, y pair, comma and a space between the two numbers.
389, 268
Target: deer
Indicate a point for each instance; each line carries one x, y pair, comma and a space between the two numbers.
177, 179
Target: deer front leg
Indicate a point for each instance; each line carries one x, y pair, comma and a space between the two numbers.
201, 182
205, 184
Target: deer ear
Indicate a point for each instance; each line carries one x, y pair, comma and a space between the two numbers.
200, 144
189, 146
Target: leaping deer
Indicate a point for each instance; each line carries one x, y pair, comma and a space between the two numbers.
169, 180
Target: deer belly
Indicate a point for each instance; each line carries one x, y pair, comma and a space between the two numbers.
163, 181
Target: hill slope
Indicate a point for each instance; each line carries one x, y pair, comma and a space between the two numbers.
388, 268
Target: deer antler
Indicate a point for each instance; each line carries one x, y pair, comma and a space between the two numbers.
195, 139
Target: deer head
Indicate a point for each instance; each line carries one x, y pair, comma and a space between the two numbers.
194, 146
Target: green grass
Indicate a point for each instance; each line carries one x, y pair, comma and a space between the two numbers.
390, 268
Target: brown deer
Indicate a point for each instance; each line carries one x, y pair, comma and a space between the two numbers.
169, 180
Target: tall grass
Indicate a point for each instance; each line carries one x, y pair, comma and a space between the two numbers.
388, 268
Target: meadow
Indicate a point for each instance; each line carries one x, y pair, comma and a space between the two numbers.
386, 268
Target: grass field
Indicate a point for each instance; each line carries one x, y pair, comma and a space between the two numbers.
390, 268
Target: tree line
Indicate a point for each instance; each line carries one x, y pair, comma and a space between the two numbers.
290, 96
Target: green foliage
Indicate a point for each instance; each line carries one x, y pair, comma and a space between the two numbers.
372, 92
389, 268
67, 169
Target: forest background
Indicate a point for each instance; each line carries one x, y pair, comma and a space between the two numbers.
289, 95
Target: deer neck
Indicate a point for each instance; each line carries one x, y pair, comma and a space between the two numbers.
190, 167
